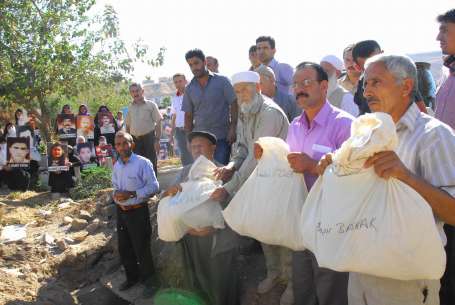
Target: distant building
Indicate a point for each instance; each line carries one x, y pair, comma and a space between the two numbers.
157, 91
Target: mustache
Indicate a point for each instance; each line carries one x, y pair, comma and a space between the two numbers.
299, 95
372, 99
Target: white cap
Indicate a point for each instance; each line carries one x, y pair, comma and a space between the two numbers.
334, 61
245, 77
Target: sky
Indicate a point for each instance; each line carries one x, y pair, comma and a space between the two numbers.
303, 30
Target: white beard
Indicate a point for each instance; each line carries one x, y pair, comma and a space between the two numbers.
245, 108
333, 84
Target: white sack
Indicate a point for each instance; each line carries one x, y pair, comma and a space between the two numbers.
355, 221
268, 205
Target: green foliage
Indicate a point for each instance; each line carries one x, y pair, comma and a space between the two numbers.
166, 102
92, 180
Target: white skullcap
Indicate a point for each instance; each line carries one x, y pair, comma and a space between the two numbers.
334, 61
245, 77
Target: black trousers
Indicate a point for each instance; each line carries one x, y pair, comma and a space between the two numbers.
17, 179
145, 147
134, 232
447, 292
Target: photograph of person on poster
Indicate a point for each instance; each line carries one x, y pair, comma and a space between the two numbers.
18, 152
85, 126
66, 124
58, 157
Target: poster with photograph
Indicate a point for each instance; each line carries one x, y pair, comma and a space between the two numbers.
18, 151
106, 123
57, 157
103, 152
85, 126
66, 126
86, 154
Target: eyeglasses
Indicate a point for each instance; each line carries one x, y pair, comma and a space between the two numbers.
304, 83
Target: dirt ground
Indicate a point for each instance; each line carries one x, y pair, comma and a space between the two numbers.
36, 271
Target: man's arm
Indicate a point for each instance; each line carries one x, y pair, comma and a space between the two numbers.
188, 121
234, 109
151, 183
187, 107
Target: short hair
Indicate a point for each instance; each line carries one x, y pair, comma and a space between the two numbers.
321, 74
178, 75
133, 85
195, 53
125, 135
448, 16
269, 39
400, 66
252, 49
365, 49
348, 48
265, 71
84, 145
214, 59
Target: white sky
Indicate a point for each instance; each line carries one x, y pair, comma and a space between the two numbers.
303, 30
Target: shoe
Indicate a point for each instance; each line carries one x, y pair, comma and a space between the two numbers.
127, 285
268, 283
287, 298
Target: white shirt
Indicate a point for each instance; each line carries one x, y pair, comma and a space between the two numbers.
176, 108
348, 105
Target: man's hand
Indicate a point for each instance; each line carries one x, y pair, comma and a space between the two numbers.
220, 194
231, 137
157, 147
258, 151
171, 191
123, 195
224, 173
387, 164
325, 161
201, 232
301, 162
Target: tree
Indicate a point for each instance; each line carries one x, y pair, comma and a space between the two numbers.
51, 50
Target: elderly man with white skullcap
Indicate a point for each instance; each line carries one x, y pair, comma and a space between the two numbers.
259, 116
337, 95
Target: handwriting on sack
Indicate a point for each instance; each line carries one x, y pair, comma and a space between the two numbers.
274, 173
342, 228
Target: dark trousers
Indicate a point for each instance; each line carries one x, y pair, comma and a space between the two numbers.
182, 143
17, 179
317, 286
61, 182
34, 173
145, 147
447, 292
223, 151
134, 231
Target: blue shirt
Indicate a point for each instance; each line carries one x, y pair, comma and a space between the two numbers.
287, 102
136, 175
210, 104
283, 75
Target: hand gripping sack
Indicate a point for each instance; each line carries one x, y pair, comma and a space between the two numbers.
191, 208
355, 221
268, 205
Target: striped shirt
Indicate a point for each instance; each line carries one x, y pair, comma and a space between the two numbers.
426, 147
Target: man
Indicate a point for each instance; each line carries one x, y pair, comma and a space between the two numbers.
85, 126
209, 105
320, 129
134, 182
253, 57
143, 121
423, 160
445, 111
351, 78
67, 126
337, 95
360, 53
17, 179
268, 88
259, 117
19, 152
178, 119
265, 48
212, 64
209, 254
84, 151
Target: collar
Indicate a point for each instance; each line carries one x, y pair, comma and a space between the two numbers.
449, 62
210, 74
320, 118
408, 120
179, 93
273, 63
132, 158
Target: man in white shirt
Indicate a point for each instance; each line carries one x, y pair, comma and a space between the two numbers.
178, 119
337, 95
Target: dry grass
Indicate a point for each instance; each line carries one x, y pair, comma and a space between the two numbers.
171, 162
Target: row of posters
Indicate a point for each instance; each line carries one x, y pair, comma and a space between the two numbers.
70, 126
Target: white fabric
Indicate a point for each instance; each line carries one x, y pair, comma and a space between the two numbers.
191, 208
245, 77
355, 221
268, 204
177, 110
334, 61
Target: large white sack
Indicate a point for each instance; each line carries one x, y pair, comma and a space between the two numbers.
268, 205
191, 208
355, 221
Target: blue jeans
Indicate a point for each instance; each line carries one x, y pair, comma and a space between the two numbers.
182, 143
223, 151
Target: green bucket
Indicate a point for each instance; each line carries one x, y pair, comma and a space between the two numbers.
177, 297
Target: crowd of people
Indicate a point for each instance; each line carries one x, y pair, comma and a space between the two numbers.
310, 107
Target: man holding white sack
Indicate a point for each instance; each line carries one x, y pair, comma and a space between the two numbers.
424, 160
259, 117
209, 255
321, 128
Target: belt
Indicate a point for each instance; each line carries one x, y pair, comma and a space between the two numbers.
126, 208
144, 135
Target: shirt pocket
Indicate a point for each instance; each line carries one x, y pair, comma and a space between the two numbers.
320, 150
132, 183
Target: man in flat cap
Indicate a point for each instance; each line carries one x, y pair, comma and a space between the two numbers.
209, 254
259, 117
